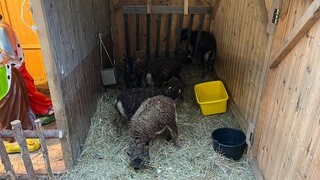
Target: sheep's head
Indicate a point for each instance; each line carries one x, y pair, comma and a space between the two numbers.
175, 88
139, 154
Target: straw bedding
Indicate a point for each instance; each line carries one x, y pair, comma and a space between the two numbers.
104, 155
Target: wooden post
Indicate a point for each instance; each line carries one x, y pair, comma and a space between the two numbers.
149, 6
44, 148
5, 160
185, 7
168, 34
158, 21
16, 126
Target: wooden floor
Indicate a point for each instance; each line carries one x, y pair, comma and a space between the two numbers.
54, 150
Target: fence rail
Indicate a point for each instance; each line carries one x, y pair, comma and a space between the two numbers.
20, 136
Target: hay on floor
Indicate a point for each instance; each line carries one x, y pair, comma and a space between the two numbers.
104, 155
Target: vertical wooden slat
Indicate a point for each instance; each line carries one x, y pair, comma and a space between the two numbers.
137, 32
185, 7
190, 29
126, 34
44, 148
158, 35
148, 35
5, 160
16, 126
168, 34
178, 31
149, 6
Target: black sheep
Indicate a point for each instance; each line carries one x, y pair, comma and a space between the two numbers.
133, 72
161, 71
207, 48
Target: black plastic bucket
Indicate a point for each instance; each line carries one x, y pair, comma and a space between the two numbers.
229, 142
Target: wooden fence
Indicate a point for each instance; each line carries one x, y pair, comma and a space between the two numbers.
20, 136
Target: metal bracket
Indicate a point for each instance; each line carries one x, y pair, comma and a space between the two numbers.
250, 134
276, 16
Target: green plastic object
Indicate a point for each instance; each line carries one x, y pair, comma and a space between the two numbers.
4, 84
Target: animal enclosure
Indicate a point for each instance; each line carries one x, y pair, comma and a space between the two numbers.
267, 57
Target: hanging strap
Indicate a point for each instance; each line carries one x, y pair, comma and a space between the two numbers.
105, 50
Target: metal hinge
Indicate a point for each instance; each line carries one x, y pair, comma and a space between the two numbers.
276, 16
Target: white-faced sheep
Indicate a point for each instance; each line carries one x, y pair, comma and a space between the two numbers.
129, 100
154, 116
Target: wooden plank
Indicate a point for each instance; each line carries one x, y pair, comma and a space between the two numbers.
255, 168
44, 148
6, 160
178, 31
189, 30
148, 35
126, 34
169, 24
44, 25
185, 7
158, 35
137, 32
215, 9
138, 9
276, 4
21, 140
149, 6
262, 102
310, 17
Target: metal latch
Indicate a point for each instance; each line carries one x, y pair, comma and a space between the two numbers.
276, 16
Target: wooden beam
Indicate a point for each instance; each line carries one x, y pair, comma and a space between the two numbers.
138, 9
310, 17
48, 134
40, 17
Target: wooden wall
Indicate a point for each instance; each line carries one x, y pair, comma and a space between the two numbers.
282, 103
288, 145
240, 30
118, 24
67, 31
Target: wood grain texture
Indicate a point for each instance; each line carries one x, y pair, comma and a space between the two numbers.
67, 31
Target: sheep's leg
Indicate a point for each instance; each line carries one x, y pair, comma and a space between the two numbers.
174, 133
120, 122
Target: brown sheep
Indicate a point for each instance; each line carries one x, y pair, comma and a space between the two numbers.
154, 116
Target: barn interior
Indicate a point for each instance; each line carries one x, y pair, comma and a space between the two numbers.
267, 53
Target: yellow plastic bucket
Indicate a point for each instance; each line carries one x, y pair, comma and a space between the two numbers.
212, 97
